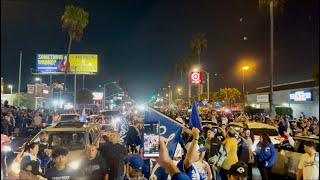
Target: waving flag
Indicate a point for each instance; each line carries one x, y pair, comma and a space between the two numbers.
194, 117
123, 128
170, 131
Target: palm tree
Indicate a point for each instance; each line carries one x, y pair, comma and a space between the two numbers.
198, 44
74, 21
271, 4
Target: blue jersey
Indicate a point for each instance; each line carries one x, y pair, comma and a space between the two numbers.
192, 172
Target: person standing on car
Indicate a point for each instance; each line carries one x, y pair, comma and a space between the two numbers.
308, 167
266, 154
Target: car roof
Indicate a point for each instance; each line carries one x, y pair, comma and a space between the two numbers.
253, 125
71, 126
308, 138
69, 114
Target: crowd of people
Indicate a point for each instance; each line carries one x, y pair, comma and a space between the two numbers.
221, 153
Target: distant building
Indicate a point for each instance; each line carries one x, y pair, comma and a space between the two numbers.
302, 96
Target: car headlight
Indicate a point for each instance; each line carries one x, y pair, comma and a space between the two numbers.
15, 167
74, 164
254, 147
117, 120
7, 148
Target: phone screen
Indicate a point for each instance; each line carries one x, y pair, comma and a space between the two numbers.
151, 139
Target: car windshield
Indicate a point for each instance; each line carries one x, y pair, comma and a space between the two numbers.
70, 140
68, 117
270, 132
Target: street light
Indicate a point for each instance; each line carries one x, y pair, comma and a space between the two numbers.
39, 79
10, 86
244, 68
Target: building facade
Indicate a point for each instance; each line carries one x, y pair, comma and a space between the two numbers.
302, 96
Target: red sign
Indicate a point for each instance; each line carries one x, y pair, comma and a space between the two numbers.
44, 91
30, 89
196, 77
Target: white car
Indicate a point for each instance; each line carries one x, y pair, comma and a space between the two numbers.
257, 129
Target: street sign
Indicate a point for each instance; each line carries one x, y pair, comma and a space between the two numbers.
196, 77
120, 94
31, 89
217, 104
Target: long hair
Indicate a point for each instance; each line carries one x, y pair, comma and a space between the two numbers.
265, 141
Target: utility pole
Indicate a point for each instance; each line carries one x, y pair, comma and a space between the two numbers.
19, 85
271, 59
75, 91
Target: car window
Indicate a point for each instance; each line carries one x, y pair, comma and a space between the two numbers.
70, 140
68, 117
270, 132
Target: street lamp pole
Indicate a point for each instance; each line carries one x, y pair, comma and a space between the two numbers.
19, 85
10, 86
244, 68
208, 83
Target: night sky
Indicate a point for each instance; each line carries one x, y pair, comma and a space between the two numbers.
139, 42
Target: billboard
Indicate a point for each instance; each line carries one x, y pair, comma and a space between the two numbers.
263, 98
80, 63
304, 95
196, 77
97, 95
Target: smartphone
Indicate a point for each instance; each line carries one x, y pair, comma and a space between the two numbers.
151, 138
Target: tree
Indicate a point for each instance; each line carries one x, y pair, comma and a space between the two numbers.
74, 21
26, 100
216, 96
283, 110
230, 95
198, 44
85, 96
271, 4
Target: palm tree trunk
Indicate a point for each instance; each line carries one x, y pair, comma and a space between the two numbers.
271, 59
66, 71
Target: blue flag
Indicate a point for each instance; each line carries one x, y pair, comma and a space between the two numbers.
123, 128
194, 117
170, 131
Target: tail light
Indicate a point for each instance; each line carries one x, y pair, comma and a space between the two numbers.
279, 138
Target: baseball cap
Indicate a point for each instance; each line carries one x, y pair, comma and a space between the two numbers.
201, 148
32, 167
135, 161
239, 169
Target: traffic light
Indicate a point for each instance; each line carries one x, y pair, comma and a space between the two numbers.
153, 97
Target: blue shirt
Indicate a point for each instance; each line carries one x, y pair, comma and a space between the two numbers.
268, 154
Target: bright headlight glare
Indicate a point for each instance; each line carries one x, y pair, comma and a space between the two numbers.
15, 167
141, 107
7, 148
74, 164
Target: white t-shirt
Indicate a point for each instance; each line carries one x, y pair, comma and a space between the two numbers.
201, 167
224, 120
310, 166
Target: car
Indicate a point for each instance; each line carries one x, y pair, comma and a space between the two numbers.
288, 157
257, 129
113, 117
62, 134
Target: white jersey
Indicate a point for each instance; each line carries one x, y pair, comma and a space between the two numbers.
201, 167
310, 166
